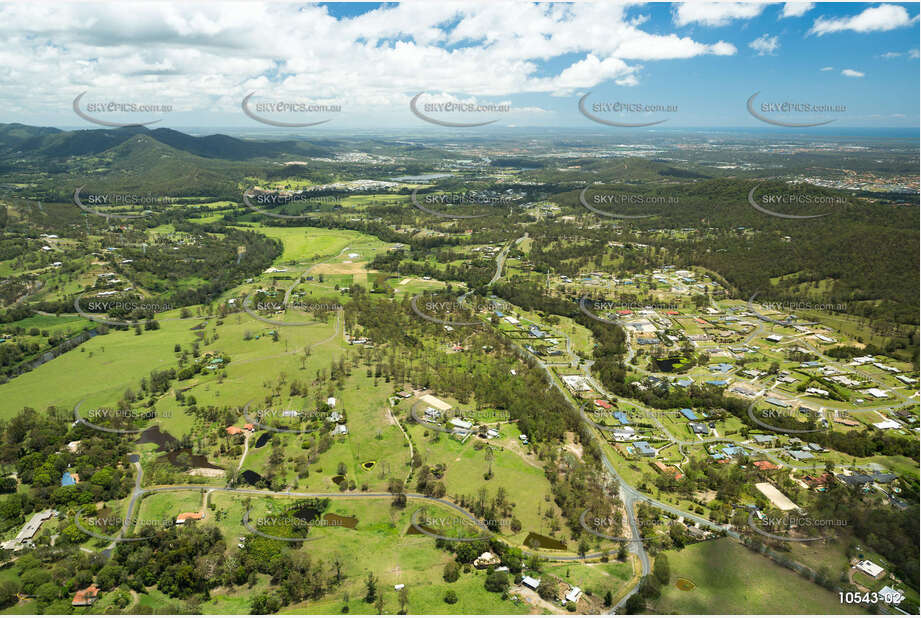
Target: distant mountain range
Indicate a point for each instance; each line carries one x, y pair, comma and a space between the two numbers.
48, 142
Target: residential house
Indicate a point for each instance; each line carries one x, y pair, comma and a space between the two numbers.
185, 517
86, 597
530, 582
870, 568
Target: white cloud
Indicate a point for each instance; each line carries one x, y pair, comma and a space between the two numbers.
827, 69
796, 9
852, 73
715, 13
765, 45
890, 55
874, 19
913, 53
207, 56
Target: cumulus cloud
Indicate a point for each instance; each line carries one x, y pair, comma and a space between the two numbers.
796, 9
852, 73
207, 56
765, 45
715, 13
874, 19
827, 69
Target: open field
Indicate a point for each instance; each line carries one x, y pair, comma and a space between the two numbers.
730, 579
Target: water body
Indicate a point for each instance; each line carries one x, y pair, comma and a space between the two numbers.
539, 540
184, 458
163, 439
250, 478
262, 439
669, 365
420, 177
343, 521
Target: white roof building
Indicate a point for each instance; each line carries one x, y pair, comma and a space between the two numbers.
870, 568
573, 595
576, 383
461, 424
530, 582
891, 596
887, 424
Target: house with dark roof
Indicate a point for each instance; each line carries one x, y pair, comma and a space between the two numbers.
699, 428
855, 481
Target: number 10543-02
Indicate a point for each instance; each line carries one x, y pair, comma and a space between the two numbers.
890, 598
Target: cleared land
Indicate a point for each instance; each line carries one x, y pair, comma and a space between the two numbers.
730, 579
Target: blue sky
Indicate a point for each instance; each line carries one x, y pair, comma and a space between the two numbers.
370, 60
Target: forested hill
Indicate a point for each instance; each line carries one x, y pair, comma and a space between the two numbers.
863, 253
53, 143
